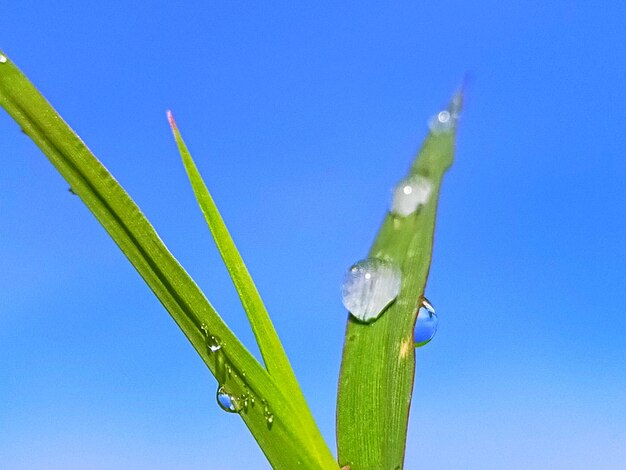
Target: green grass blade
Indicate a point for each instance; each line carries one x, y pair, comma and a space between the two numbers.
282, 440
267, 339
378, 364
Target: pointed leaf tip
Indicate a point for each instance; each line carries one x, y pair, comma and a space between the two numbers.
170, 119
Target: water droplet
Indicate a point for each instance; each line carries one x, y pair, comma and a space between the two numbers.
269, 416
3, 59
410, 194
227, 402
246, 401
442, 122
213, 343
369, 287
425, 325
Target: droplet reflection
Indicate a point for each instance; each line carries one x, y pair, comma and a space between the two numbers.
227, 402
425, 325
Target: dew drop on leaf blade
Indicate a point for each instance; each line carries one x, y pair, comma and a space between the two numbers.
369, 287
425, 325
213, 343
227, 401
442, 122
411, 194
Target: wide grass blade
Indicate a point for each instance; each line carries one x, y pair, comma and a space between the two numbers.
268, 412
267, 339
378, 364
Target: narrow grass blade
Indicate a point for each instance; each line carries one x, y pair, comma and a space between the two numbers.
378, 364
267, 339
281, 438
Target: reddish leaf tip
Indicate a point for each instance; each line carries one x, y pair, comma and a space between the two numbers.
170, 118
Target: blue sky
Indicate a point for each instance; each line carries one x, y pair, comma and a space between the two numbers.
302, 117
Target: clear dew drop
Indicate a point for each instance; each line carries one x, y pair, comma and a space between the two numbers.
410, 194
246, 401
213, 343
227, 402
442, 122
369, 287
3, 59
268, 415
425, 325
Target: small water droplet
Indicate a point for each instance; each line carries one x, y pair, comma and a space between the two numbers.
442, 122
3, 59
269, 416
369, 287
213, 343
227, 402
411, 194
246, 401
425, 325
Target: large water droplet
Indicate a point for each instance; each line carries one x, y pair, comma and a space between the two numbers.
442, 122
3, 59
369, 287
410, 194
425, 325
227, 402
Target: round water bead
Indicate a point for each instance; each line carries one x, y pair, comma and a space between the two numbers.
442, 122
411, 194
213, 343
227, 402
369, 287
425, 325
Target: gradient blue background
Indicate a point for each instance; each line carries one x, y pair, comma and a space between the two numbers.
302, 117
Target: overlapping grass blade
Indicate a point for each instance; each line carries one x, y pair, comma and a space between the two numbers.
284, 443
267, 339
378, 364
